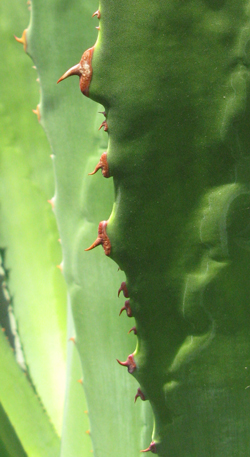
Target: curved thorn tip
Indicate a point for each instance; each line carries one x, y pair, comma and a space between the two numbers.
129, 363
151, 448
124, 364
133, 329
96, 243
140, 394
98, 166
71, 72
121, 311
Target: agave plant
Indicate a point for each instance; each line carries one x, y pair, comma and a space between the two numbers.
165, 118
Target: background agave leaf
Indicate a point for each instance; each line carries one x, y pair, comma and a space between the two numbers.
24, 409
55, 42
207, 207
28, 232
10, 445
75, 440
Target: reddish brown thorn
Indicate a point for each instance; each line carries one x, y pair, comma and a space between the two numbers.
139, 394
98, 28
103, 164
124, 289
105, 125
102, 239
133, 329
96, 243
37, 112
72, 339
88, 432
83, 69
130, 363
97, 13
23, 39
152, 448
103, 112
80, 381
127, 308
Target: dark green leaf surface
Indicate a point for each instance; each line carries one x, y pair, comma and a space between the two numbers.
174, 80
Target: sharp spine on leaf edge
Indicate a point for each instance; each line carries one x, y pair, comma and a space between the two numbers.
102, 239
151, 448
83, 69
130, 363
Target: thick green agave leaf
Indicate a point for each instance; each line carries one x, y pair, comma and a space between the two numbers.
176, 97
28, 232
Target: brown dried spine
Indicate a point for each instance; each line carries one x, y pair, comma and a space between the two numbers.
151, 448
130, 363
133, 329
103, 165
102, 239
140, 394
105, 125
124, 289
127, 308
83, 69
